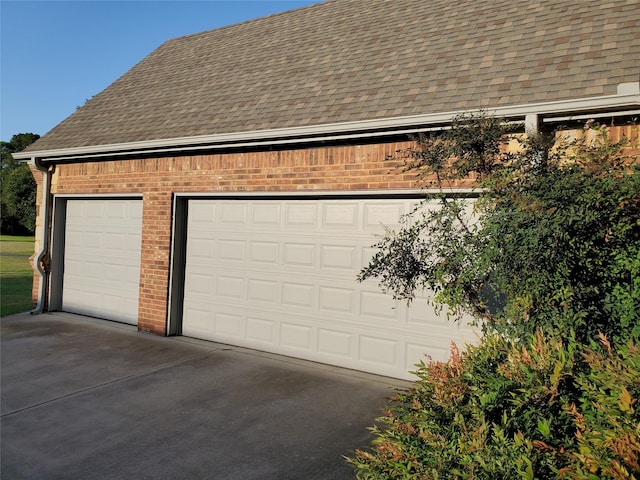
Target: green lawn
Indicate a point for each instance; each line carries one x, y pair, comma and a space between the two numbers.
15, 274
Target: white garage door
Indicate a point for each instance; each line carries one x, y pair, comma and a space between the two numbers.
102, 259
280, 276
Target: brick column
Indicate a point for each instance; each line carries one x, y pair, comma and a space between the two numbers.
154, 262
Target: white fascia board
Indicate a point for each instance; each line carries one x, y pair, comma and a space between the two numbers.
586, 116
335, 130
418, 193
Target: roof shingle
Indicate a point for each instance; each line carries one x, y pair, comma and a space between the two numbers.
350, 60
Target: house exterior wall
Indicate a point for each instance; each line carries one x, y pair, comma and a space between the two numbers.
364, 167
338, 168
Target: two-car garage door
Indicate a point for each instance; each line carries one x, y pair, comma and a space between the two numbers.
280, 276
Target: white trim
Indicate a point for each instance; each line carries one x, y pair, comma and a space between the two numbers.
325, 193
629, 88
217, 146
586, 116
531, 124
99, 196
319, 132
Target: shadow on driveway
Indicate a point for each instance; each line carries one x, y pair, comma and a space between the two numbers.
85, 398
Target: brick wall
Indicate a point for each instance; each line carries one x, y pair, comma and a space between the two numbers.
343, 168
348, 168
332, 168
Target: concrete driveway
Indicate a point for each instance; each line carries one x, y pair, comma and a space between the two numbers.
85, 398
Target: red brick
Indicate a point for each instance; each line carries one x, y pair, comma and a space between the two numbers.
359, 167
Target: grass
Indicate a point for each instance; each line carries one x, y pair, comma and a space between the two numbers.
16, 275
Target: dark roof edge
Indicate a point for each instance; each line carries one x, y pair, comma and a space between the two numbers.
626, 100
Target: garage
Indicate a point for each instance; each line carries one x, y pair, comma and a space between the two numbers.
101, 272
279, 275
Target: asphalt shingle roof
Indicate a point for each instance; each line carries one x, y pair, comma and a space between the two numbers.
349, 60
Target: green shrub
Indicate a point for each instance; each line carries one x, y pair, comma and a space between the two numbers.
501, 410
548, 262
554, 236
607, 416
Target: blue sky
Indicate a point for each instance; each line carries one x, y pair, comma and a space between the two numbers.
55, 55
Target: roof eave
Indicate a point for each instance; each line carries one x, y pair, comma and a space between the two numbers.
626, 100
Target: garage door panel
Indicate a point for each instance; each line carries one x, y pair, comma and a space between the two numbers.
340, 257
110, 304
299, 295
229, 325
115, 242
94, 210
383, 213
298, 254
296, 336
261, 332
339, 254
264, 291
223, 323
199, 284
344, 216
378, 350
201, 213
200, 324
301, 215
231, 251
264, 252
75, 210
342, 299
230, 287
379, 306
87, 269
267, 215
283, 279
102, 258
336, 299
201, 249
234, 214
336, 342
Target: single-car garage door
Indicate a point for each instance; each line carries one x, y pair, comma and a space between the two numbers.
102, 258
280, 276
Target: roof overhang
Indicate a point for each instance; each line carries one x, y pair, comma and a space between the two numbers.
625, 102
